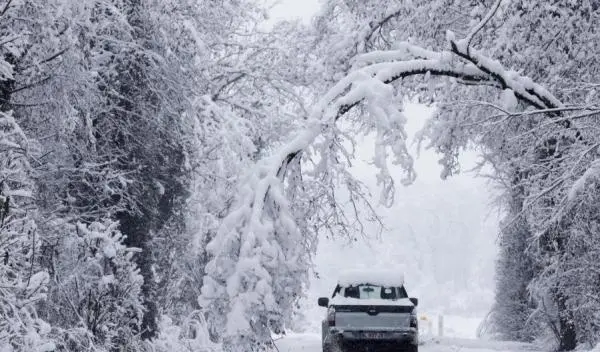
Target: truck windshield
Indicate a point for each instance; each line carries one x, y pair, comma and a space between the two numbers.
373, 292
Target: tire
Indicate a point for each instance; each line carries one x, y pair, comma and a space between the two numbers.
332, 348
411, 348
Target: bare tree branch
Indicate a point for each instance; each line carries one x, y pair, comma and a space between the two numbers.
5, 8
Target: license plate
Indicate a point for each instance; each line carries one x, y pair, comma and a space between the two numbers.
374, 335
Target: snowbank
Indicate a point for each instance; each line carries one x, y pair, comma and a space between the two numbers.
484, 345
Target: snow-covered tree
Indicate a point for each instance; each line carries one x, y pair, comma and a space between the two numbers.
512, 313
150, 117
469, 113
380, 56
22, 282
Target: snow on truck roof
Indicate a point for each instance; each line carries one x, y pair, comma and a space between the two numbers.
388, 278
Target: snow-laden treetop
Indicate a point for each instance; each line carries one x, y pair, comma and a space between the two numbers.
388, 278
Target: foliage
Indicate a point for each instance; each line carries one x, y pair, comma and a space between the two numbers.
23, 284
165, 157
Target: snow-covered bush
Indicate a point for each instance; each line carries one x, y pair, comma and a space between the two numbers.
95, 292
190, 336
21, 329
22, 284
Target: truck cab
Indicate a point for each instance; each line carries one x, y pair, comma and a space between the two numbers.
370, 311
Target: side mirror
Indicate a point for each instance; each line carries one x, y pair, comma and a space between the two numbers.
415, 301
323, 302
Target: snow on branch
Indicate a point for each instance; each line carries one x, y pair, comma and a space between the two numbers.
410, 60
482, 23
387, 17
403, 51
579, 185
524, 87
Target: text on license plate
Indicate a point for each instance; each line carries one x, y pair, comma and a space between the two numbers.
374, 335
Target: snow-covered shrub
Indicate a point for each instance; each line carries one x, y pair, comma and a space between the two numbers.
21, 329
95, 291
190, 336
22, 283
21, 288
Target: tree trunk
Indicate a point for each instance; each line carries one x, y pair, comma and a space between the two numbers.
568, 336
6, 87
138, 231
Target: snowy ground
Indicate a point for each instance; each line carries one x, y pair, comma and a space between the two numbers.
459, 334
312, 343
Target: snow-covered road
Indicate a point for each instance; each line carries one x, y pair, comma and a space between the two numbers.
312, 343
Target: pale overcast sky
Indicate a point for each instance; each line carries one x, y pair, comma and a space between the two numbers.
291, 9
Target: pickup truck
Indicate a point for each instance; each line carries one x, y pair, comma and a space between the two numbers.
370, 311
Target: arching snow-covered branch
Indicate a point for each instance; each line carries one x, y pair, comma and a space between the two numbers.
259, 242
476, 68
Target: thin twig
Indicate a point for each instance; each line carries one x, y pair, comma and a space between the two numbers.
5, 8
482, 24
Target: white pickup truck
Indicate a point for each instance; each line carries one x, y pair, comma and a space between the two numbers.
370, 311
